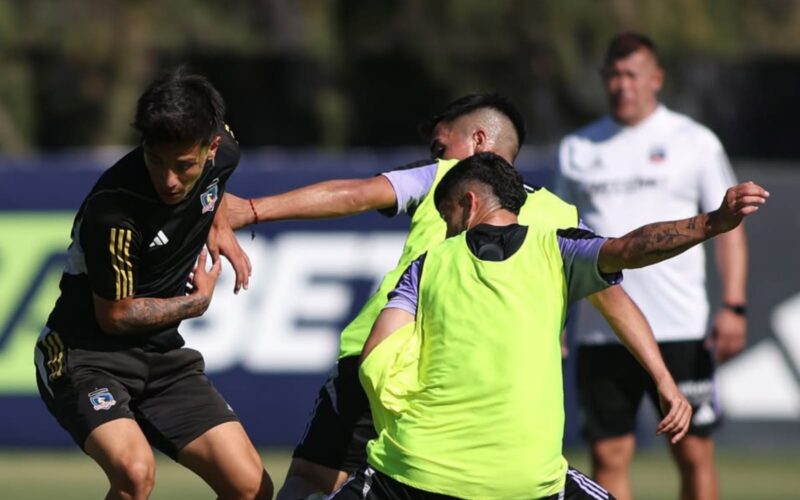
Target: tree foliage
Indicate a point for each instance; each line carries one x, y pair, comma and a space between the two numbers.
352, 72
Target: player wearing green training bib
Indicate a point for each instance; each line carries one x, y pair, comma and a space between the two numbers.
479, 413
334, 443
427, 228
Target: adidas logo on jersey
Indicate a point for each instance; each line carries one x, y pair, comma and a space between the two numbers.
160, 240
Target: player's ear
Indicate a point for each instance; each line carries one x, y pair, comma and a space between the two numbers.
469, 204
656, 76
480, 140
212, 148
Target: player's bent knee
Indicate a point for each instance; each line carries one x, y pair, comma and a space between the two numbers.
248, 484
135, 476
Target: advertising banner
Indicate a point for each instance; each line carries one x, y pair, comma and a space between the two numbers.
269, 348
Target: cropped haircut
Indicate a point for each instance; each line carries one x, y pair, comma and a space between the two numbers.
179, 108
625, 44
488, 169
472, 102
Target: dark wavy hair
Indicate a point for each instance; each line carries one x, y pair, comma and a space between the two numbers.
179, 108
491, 170
469, 103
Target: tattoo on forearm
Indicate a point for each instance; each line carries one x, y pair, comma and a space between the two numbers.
655, 242
148, 314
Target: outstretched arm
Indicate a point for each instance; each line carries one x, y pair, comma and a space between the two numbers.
659, 241
633, 330
323, 200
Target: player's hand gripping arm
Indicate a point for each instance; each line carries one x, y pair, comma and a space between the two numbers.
729, 331
135, 315
661, 240
323, 200
633, 330
222, 241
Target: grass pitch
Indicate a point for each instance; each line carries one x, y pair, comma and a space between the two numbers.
68, 475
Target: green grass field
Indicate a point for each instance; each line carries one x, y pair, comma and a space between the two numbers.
67, 475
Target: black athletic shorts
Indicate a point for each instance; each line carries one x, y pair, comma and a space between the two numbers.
340, 424
369, 484
611, 384
168, 394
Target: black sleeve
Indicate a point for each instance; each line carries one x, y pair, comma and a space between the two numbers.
110, 244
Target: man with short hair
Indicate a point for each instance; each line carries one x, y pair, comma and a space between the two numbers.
111, 366
644, 163
480, 414
334, 444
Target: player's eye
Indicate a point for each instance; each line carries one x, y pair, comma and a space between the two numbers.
183, 167
437, 151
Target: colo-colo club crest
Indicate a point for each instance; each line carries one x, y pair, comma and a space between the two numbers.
210, 196
101, 399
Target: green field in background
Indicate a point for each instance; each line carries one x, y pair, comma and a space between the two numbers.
69, 475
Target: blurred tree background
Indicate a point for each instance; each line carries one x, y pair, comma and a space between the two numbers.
337, 74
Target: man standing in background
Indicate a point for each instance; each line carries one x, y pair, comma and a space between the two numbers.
640, 164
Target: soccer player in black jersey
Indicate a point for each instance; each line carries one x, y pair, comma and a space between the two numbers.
111, 366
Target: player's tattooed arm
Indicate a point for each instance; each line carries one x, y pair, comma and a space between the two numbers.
661, 240
653, 243
131, 315
135, 315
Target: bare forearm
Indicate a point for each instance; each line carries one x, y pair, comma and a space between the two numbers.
328, 199
731, 252
336, 198
239, 212
221, 217
631, 328
144, 314
655, 242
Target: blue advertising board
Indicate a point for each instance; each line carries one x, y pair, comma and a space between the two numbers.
269, 349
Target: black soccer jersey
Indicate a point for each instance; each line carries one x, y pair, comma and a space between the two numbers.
126, 242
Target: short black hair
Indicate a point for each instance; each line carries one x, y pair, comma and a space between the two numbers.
489, 169
179, 108
625, 44
469, 103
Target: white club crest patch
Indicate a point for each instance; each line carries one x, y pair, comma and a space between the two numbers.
101, 399
210, 196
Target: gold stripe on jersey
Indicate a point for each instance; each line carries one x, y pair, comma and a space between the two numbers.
55, 358
50, 353
119, 246
112, 247
123, 284
128, 265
